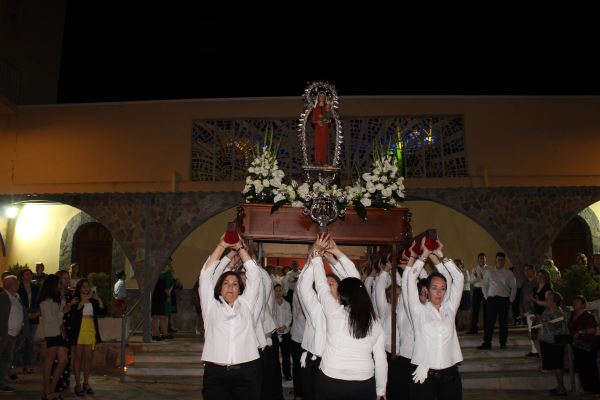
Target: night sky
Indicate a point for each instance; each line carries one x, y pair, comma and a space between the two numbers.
113, 53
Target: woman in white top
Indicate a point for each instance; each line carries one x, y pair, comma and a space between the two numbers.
354, 364
437, 350
313, 340
84, 333
230, 348
52, 309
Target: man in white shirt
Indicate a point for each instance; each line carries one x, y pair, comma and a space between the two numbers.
120, 293
477, 294
499, 289
13, 318
291, 280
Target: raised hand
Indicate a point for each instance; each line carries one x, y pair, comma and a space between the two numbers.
438, 252
413, 254
322, 243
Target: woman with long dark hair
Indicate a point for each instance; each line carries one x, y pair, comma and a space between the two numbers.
354, 364
315, 329
52, 308
84, 333
538, 300
230, 352
436, 348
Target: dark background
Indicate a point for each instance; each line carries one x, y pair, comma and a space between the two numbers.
115, 53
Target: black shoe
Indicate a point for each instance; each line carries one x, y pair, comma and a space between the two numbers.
173, 330
530, 354
555, 392
13, 377
157, 338
167, 337
485, 346
7, 389
503, 346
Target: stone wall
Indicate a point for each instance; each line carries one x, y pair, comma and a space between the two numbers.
150, 226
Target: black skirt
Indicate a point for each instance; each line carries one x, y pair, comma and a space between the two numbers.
56, 341
465, 300
553, 356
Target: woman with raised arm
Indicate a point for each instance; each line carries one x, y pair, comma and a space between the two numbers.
230, 349
436, 349
353, 364
315, 329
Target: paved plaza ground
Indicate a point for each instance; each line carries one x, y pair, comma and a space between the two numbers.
109, 387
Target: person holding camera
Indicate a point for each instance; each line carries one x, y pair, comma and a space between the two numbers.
84, 333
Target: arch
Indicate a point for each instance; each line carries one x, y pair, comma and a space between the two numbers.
68, 251
92, 249
573, 238
591, 219
224, 205
472, 216
2, 247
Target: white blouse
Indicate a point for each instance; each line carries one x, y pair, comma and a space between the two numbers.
88, 310
282, 315
230, 336
383, 281
299, 320
52, 317
346, 357
370, 286
314, 336
436, 343
267, 303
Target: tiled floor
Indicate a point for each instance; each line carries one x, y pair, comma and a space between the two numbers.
109, 387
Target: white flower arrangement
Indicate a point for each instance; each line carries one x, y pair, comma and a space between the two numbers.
382, 187
301, 196
264, 178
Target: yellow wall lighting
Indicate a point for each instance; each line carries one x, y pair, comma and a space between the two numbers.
32, 221
11, 212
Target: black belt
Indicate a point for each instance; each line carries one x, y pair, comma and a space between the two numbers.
232, 366
445, 371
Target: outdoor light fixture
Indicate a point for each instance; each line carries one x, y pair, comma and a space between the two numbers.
11, 212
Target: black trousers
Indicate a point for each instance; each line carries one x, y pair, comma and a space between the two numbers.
270, 387
516, 305
296, 370
587, 367
285, 346
478, 299
399, 377
232, 383
338, 389
497, 307
289, 298
309, 377
439, 385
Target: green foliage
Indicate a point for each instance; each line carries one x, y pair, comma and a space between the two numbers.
16, 268
361, 211
578, 281
278, 205
102, 282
